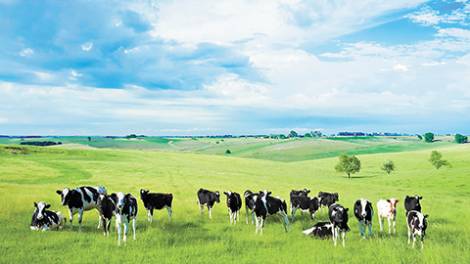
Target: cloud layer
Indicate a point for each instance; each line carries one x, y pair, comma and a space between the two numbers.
181, 67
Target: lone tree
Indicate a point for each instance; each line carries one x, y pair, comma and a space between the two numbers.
348, 164
228, 151
293, 134
429, 137
437, 161
388, 166
461, 139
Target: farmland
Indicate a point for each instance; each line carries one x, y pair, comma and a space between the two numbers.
30, 174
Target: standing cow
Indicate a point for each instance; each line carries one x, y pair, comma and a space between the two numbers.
81, 199
299, 199
363, 211
250, 201
126, 210
206, 197
339, 218
234, 204
417, 224
266, 205
388, 209
156, 201
412, 203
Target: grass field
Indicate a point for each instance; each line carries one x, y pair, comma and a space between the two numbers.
35, 173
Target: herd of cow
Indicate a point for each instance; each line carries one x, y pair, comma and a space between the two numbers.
258, 205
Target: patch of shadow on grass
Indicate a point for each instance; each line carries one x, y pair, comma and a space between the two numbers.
361, 177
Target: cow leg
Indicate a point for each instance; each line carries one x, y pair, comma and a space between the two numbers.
210, 211
261, 225
80, 217
126, 228
335, 233
252, 217
394, 224
285, 220
103, 223
422, 242
118, 228
380, 224
133, 228
71, 215
293, 210
389, 225
99, 222
361, 229
369, 226
409, 235
343, 238
246, 215
108, 225
414, 240
257, 224
170, 212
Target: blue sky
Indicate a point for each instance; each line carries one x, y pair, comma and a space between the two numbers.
216, 67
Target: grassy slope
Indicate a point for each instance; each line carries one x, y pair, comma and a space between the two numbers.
192, 238
260, 148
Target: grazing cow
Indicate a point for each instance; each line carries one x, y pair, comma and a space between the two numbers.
267, 205
413, 203
339, 219
388, 209
205, 197
80, 199
417, 224
320, 229
300, 200
106, 205
250, 201
234, 204
44, 219
363, 211
126, 210
326, 199
156, 201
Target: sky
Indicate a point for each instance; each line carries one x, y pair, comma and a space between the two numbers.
234, 67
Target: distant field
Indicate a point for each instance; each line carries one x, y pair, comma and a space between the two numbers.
259, 148
35, 173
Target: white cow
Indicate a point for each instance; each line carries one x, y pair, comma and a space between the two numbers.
388, 209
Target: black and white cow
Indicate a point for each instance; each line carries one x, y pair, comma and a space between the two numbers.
250, 201
234, 204
363, 211
300, 200
267, 205
81, 199
106, 205
413, 203
320, 229
326, 199
44, 219
339, 218
206, 197
156, 201
417, 224
126, 210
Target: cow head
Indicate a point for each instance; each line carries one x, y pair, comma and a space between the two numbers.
143, 193
64, 195
217, 196
306, 191
40, 208
120, 200
340, 215
360, 208
393, 205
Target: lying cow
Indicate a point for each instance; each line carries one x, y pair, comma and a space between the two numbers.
267, 205
250, 201
81, 199
299, 199
412, 203
339, 219
234, 204
326, 199
126, 210
388, 209
321, 230
44, 219
417, 224
363, 211
206, 197
156, 201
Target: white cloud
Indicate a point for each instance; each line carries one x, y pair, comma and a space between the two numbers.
426, 16
26, 52
400, 67
87, 46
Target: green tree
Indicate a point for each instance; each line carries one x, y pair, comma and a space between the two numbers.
429, 137
308, 135
293, 134
461, 139
420, 137
437, 161
388, 166
348, 165
228, 151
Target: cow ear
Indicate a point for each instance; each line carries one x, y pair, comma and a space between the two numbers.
47, 206
388, 200
346, 209
226, 193
426, 216
35, 204
59, 192
269, 193
421, 197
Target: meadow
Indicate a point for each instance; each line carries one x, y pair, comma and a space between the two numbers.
31, 174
